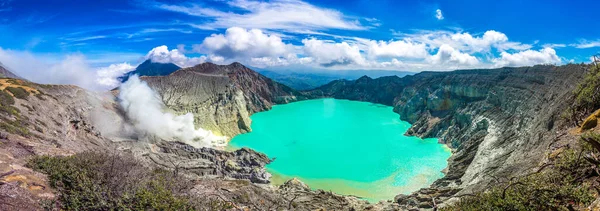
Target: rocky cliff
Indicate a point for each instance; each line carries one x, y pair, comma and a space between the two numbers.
221, 97
499, 122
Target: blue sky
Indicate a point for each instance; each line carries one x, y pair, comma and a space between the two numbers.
114, 36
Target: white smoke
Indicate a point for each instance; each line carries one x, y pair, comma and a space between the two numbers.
145, 110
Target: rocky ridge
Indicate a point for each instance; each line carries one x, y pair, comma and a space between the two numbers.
499, 122
221, 97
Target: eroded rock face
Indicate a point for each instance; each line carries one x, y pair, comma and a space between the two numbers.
499, 122
245, 164
221, 97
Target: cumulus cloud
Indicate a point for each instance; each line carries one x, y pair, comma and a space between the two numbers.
241, 43
329, 54
146, 112
528, 58
448, 55
395, 49
278, 14
162, 54
465, 41
424, 50
72, 69
439, 15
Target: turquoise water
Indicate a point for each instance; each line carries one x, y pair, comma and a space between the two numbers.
348, 147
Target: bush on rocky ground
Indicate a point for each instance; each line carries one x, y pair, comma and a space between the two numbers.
18, 92
564, 184
586, 96
97, 181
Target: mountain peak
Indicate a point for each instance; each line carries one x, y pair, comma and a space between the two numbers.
212, 68
364, 78
150, 68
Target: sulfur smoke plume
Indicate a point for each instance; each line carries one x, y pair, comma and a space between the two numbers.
145, 110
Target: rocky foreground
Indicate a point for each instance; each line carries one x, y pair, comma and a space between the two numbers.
499, 123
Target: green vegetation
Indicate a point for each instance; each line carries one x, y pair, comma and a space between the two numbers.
564, 184
18, 92
94, 181
6, 104
587, 96
14, 126
6, 99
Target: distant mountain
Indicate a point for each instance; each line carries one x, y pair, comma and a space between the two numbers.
299, 81
5, 73
306, 80
149, 68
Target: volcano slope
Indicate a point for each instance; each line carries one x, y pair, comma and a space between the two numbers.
221, 97
65, 121
499, 122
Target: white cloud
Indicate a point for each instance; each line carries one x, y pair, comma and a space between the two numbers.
80, 39
587, 44
448, 55
329, 54
466, 42
107, 76
154, 30
276, 14
394, 49
439, 15
239, 43
554, 45
161, 54
72, 69
440, 50
527, 58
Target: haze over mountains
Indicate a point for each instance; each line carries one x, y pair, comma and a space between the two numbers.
310, 79
297, 79
4, 72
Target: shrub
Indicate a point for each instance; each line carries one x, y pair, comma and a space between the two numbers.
96, 181
559, 188
18, 92
15, 127
6, 99
586, 96
39, 96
